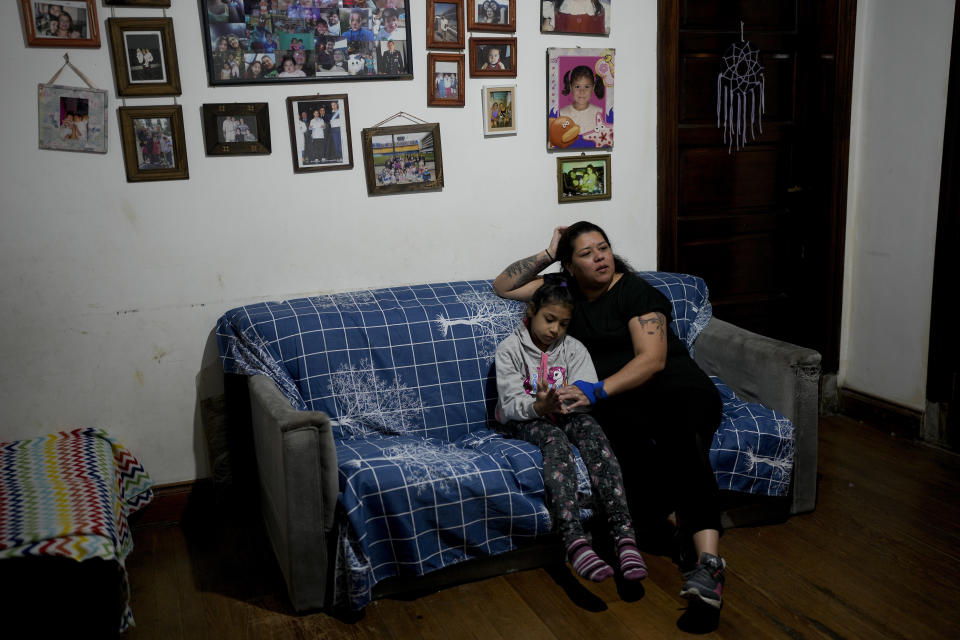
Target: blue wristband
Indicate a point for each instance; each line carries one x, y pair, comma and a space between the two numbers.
593, 390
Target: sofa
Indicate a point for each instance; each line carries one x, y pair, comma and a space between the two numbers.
379, 464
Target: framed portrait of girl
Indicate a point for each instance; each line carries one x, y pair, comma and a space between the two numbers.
580, 98
492, 15
590, 17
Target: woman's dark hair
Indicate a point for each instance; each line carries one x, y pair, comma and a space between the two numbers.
565, 246
554, 290
583, 71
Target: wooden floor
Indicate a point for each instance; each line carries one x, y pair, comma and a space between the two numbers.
877, 559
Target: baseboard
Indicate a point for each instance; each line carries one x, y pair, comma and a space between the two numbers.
897, 419
167, 507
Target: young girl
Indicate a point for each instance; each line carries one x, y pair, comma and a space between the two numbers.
531, 363
581, 82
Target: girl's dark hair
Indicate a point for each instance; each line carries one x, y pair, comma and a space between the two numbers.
565, 246
583, 71
554, 290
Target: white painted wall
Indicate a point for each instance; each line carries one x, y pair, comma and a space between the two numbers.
110, 290
899, 100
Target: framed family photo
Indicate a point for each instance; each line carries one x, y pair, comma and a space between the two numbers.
583, 17
402, 158
274, 41
493, 57
239, 128
445, 26
583, 177
144, 56
445, 85
154, 147
492, 15
499, 107
580, 98
72, 118
70, 23
320, 132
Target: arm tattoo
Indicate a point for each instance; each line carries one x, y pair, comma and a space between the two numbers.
522, 271
655, 325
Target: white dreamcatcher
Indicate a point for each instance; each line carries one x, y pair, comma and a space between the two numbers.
740, 93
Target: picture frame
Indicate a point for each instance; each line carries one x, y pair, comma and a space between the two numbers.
445, 25
483, 51
583, 177
144, 53
445, 80
311, 154
492, 15
402, 158
580, 84
592, 18
70, 23
499, 109
273, 41
154, 146
72, 118
136, 3
235, 129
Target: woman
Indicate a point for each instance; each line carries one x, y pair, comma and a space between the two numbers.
658, 409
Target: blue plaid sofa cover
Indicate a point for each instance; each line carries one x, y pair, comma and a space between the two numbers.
405, 374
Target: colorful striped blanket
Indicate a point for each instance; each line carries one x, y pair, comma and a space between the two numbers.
69, 494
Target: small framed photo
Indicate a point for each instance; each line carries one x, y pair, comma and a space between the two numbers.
445, 26
584, 17
580, 98
493, 57
154, 147
72, 118
492, 15
445, 86
69, 23
499, 107
239, 128
403, 158
583, 177
136, 3
320, 132
144, 56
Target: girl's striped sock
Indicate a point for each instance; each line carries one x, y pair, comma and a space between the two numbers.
586, 562
632, 565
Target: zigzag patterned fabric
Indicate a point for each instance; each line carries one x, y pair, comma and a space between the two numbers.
69, 494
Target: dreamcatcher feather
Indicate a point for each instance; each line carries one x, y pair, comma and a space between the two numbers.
740, 93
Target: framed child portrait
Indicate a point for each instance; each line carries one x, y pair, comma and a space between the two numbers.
445, 27
583, 177
69, 23
493, 57
580, 98
584, 17
72, 118
239, 128
499, 107
402, 158
320, 132
154, 147
445, 84
274, 41
492, 15
144, 56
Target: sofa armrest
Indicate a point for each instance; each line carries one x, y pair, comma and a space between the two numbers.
297, 464
778, 375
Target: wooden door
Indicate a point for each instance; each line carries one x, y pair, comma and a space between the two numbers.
763, 225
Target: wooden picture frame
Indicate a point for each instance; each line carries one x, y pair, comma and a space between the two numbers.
552, 20
583, 177
499, 110
335, 149
258, 42
235, 129
136, 3
72, 118
144, 55
482, 57
580, 118
80, 27
145, 161
492, 15
445, 80
402, 158
445, 25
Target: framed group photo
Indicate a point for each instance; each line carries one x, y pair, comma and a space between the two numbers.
493, 57
499, 107
320, 132
274, 41
582, 17
402, 158
492, 15
445, 25
144, 56
580, 98
239, 128
72, 118
445, 80
583, 177
154, 147
70, 23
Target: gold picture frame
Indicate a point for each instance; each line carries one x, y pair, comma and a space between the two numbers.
582, 178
